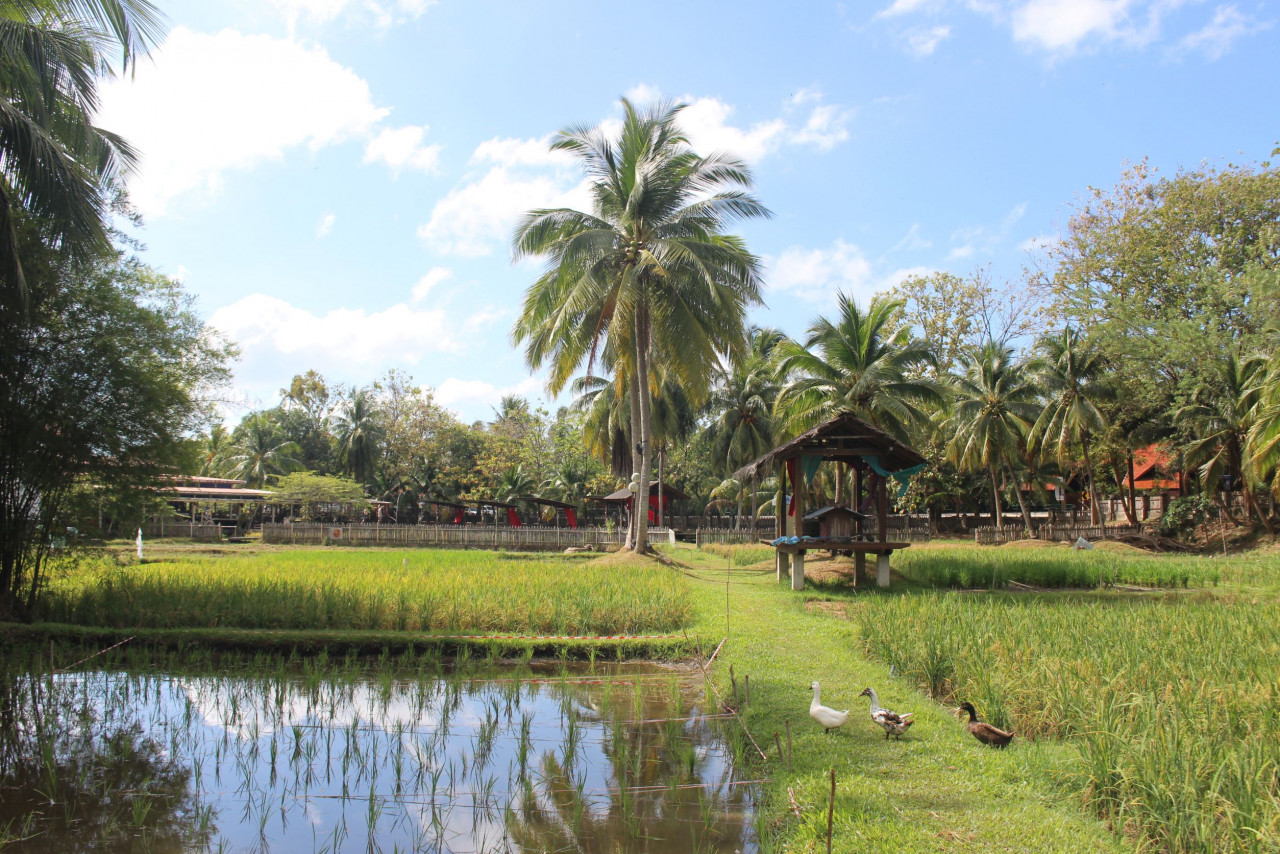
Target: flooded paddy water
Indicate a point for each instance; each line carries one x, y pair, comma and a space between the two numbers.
369, 757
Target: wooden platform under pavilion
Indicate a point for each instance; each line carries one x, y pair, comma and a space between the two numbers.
850, 441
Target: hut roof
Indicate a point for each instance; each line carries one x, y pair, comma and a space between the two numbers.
546, 502
844, 437
823, 511
202, 493
667, 490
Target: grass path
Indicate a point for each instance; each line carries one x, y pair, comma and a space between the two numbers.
936, 790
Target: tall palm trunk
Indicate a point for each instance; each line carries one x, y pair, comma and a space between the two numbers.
646, 454
1094, 514
1022, 503
997, 513
634, 387
1126, 500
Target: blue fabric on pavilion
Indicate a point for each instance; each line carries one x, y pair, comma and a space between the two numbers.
809, 465
902, 477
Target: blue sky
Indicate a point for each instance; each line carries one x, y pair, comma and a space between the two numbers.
336, 180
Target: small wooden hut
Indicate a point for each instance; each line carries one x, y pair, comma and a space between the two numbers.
872, 456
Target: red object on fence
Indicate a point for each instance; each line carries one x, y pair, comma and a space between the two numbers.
512, 519
571, 516
457, 520
791, 473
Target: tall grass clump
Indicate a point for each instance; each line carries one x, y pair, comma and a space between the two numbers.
407, 591
967, 566
1171, 702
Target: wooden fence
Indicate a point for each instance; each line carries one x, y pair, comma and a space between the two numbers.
1052, 533
705, 536
158, 529
738, 538
523, 538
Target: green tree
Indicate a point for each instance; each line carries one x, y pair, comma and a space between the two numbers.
312, 491
650, 274
742, 408
1167, 274
104, 373
1218, 421
56, 167
863, 362
995, 404
358, 429
259, 450
1074, 375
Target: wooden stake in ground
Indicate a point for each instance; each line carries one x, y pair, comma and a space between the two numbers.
746, 690
777, 739
831, 809
788, 722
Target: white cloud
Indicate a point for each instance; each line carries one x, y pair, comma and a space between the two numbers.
1062, 24
912, 240
970, 239
430, 279
922, 43
325, 225
816, 275
807, 95
903, 7
454, 392
402, 148
277, 338
518, 175
825, 128
211, 104
520, 152
705, 122
1217, 37
642, 94
382, 13
472, 218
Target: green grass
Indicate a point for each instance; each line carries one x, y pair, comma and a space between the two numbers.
936, 790
1043, 565
416, 591
1167, 701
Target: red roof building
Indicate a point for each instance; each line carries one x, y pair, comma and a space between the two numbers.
1153, 471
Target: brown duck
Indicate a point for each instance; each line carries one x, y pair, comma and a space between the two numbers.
984, 732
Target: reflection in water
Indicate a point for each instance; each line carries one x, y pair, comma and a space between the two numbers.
603, 762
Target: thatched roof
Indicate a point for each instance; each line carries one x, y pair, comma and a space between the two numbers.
844, 437
546, 502
668, 491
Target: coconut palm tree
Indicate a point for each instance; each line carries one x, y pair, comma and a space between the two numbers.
864, 363
56, 166
1219, 418
995, 404
649, 273
259, 451
1074, 376
358, 429
742, 407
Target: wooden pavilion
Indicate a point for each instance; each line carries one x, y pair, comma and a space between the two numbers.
873, 456
658, 506
562, 508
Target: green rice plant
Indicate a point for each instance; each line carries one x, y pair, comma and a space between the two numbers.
444, 591
1170, 701
1054, 566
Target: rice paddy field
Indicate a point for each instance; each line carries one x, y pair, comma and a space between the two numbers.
416, 591
1143, 688
1170, 701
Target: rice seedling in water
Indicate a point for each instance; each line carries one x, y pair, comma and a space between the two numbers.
369, 756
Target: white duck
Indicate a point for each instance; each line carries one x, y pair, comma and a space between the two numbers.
894, 724
829, 718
